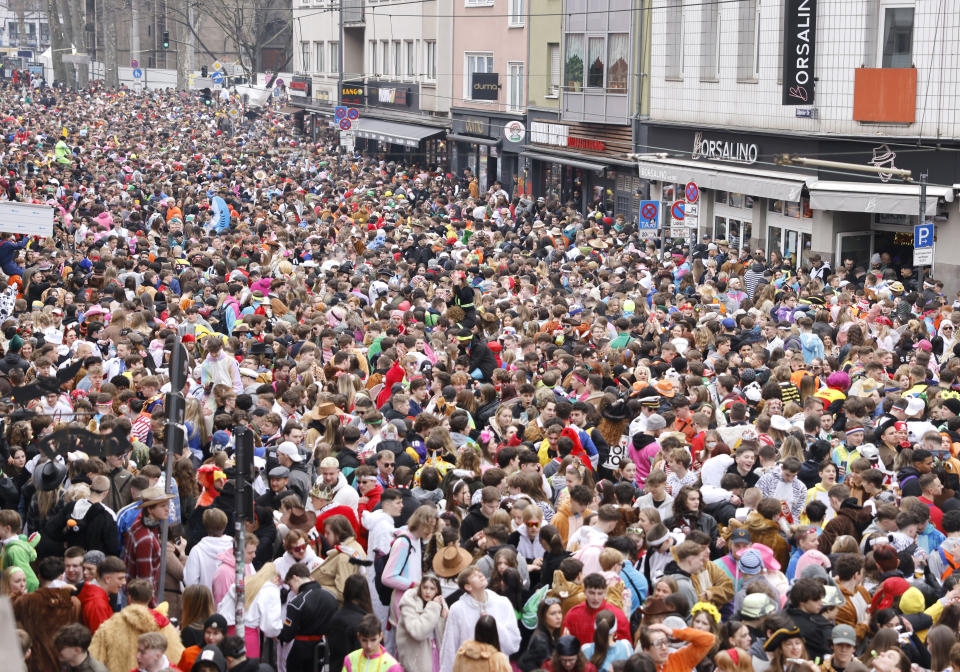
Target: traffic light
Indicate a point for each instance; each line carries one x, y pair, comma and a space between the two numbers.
203, 71
207, 96
166, 39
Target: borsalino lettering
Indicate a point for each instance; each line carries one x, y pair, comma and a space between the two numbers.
724, 150
799, 53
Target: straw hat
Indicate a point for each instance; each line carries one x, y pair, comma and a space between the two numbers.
152, 496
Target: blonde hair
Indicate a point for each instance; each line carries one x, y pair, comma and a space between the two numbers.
610, 558
253, 584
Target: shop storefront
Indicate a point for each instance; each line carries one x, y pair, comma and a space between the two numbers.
480, 142
583, 164
752, 201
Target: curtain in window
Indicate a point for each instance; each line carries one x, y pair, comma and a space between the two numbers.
573, 71
617, 58
596, 57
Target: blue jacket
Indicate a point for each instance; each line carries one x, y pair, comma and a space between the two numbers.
637, 585
8, 255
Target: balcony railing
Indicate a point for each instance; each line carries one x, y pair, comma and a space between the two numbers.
353, 13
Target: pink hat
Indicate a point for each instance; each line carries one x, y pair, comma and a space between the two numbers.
766, 553
923, 344
812, 557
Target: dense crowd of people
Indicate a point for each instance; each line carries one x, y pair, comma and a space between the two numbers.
491, 432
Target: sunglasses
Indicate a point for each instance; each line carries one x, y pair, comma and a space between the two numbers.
533, 524
299, 547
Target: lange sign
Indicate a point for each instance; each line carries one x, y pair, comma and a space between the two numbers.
799, 50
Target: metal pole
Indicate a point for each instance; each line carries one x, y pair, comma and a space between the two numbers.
243, 458
175, 406
340, 57
922, 220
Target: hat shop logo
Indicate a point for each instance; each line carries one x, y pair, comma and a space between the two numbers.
724, 150
883, 158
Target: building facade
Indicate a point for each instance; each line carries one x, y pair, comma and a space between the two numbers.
754, 88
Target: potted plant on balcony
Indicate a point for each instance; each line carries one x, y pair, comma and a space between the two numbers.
574, 72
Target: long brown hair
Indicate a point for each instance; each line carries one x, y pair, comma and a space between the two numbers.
197, 605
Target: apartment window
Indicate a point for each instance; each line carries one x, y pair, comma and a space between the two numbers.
896, 34
748, 46
410, 68
573, 67
475, 62
334, 57
674, 30
385, 55
373, 57
709, 40
596, 59
318, 48
397, 59
304, 56
553, 57
516, 15
430, 60
618, 45
515, 87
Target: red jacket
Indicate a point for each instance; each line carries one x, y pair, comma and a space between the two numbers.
373, 498
94, 605
580, 621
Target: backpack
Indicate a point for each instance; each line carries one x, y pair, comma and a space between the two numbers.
379, 564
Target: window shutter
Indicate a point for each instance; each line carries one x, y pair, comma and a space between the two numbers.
554, 69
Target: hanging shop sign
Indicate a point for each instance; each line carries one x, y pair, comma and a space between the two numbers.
799, 50
485, 86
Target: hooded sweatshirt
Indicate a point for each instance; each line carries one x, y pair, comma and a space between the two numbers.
203, 560
18, 552
462, 621
226, 574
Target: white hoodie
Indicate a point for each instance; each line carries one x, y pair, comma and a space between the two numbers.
202, 560
462, 621
344, 494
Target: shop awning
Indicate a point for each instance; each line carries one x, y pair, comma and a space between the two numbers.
780, 186
290, 109
408, 135
566, 161
489, 142
894, 199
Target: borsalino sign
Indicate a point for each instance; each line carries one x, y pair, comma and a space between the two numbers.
724, 150
799, 49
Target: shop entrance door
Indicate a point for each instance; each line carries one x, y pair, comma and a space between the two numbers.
857, 246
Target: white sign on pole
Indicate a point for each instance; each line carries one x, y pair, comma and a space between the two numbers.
26, 219
348, 140
691, 215
923, 256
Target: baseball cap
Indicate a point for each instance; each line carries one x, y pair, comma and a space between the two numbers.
740, 535
729, 323
290, 449
843, 634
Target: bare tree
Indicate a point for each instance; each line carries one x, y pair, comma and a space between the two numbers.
111, 73
250, 25
184, 45
58, 41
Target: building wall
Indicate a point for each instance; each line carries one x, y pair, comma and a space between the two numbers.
486, 29
545, 26
845, 40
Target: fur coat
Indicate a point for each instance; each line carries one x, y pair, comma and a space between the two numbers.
418, 625
115, 641
35, 612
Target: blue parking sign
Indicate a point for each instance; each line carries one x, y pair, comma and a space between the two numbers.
923, 235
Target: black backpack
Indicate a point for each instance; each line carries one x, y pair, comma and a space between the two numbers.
379, 564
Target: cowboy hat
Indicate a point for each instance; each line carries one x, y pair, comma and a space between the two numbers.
50, 475
451, 560
322, 411
151, 496
301, 519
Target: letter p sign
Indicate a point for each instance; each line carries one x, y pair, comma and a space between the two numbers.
923, 235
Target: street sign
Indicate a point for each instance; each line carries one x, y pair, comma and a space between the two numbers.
217, 65
276, 93
348, 140
25, 53
923, 256
137, 73
677, 211
217, 77
353, 114
344, 124
134, 64
340, 113
692, 192
923, 235
279, 82
649, 215
691, 215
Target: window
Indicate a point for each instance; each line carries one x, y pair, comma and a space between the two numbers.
304, 57
334, 57
748, 46
573, 69
373, 57
515, 87
385, 55
318, 48
397, 58
430, 64
896, 35
674, 28
475, 62
617, 56
517, 16
410, 68
595, 58
553, 58
709, 40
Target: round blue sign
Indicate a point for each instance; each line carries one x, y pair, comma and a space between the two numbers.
677, 210
137, 73
217, 77
692, 192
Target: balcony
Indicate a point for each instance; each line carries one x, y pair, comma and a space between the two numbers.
885, 95
353, 14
